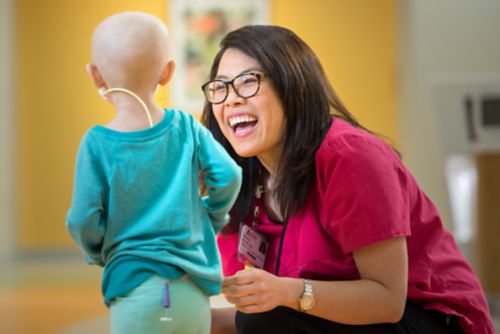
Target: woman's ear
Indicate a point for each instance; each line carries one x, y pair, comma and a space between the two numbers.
95, 76
167, 73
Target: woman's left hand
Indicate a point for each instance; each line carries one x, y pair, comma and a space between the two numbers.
255, 290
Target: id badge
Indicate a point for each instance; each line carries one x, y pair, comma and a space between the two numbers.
252, 247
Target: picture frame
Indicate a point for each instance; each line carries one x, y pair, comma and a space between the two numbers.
197, 28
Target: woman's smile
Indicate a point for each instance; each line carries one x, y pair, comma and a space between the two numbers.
242, 125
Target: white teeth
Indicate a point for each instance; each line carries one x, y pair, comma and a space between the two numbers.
233, 121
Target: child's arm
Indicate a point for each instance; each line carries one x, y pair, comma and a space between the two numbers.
222, 178
86, 219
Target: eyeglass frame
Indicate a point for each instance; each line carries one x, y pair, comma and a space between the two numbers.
259, 75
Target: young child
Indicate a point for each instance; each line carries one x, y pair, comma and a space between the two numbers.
137, 210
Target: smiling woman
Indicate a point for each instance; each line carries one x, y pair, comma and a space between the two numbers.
337, 221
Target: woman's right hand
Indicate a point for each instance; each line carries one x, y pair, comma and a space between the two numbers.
255, 291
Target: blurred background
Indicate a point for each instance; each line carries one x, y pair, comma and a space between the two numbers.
425, 74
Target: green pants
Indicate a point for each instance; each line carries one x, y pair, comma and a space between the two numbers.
142, 310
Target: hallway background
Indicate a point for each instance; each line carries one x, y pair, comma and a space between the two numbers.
382, 58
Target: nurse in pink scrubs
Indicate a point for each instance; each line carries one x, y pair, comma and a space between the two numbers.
335, 232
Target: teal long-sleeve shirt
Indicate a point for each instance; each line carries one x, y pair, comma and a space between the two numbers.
136, 207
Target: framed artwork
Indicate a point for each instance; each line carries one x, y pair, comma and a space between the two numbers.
197, 27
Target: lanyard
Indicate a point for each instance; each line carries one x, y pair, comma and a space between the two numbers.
280, 248
258, 195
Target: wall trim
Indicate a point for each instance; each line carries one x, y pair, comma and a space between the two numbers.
7, 131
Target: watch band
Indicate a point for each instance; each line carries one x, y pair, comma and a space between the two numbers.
306, 301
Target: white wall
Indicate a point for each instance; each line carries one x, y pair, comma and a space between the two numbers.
439, 37
7, 157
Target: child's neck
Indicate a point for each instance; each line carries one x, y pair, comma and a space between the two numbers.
131, 116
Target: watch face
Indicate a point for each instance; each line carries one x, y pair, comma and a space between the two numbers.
307, 302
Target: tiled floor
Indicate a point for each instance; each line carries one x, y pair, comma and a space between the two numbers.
58, 297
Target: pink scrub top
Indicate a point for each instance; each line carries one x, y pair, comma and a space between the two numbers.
364, 194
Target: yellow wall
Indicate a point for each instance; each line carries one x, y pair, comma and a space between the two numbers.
356, 43
355, 40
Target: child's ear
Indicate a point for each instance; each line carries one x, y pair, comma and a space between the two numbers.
167, 73
95, 76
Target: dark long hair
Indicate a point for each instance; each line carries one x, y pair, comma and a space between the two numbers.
309, 102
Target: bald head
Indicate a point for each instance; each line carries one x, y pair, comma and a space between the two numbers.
130, 50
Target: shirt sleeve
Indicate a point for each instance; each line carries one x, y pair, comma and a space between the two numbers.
222, 178
364, 192
86, 219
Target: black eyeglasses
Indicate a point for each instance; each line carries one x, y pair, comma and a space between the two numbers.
244, 85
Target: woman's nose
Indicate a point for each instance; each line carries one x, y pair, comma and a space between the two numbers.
232, 97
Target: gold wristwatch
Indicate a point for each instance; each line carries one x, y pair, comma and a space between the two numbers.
306, 301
